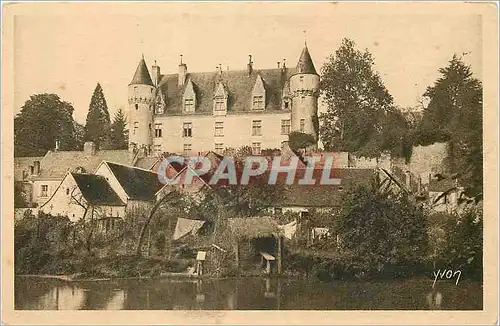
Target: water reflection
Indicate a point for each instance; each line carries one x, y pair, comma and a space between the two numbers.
242, 294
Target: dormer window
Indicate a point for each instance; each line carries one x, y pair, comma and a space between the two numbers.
220, 100
159, 103
258, 95
219, 104
189, 105
286, 103
258, 103
189, 98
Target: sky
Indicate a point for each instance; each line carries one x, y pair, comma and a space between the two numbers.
68, 54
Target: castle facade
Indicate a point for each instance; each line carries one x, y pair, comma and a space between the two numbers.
188, 113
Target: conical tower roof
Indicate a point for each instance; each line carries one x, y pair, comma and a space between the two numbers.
305, 64
141, 75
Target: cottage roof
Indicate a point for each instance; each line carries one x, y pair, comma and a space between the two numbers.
96, 190
139, 184
253, 227
55, 165
325, 195
238, 83
305, 64
141, 76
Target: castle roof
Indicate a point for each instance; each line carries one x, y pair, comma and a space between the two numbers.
141, 76
305, 64
238, 83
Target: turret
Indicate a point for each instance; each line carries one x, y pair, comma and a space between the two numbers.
304, 92
140, 99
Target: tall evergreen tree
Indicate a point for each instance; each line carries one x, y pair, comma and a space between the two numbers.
357, 102
455, 115
119, 134
43, 119
98, 122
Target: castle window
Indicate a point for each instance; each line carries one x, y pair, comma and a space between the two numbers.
189, 105
186, 149
158, 130
219, 148
302, 125
256, 150
137, 106
45, 191
286, 104
187, 129
219, 128
301, 78
136, 127
219, 104
67, 191
285, 127
256, 127
258, 103
284, 144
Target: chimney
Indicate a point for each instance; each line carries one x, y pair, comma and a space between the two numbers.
284, 64
155, 74
250, 65
36, 167
278, 64
89, 148
182, 73
57, 145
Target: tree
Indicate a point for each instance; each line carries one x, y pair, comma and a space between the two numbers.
79, 135
299, 140
454, 114
357, 102
43, 119
98, 123
381, 234
118, 135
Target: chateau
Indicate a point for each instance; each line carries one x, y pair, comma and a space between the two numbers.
188, 113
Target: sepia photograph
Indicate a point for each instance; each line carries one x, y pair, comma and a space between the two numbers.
252, 156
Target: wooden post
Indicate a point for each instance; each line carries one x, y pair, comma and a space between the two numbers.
237, 253
278, 256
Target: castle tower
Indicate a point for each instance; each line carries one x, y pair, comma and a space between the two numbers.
140, 101
304, 91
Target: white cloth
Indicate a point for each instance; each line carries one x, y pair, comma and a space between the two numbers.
185, 226
289, 229
320, 232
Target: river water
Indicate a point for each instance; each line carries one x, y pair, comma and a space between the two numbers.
245, 294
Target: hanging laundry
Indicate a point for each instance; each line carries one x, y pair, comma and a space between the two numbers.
185, 226
289, 229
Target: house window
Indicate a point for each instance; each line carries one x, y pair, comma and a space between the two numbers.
189, 105
219, 128
256, 127
136, 127
186, 149
158, 130
45, 191
302, 125
285, 127
301, 79
187, 129
137, 106
219, 104
256, 148
157, 148
258, 102
219, 148
67, 191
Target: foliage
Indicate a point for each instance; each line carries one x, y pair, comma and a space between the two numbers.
454, 114
119, 134
20, 199
98, 123
360, 116
381, 234
43, 119
300, 140
79, 135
